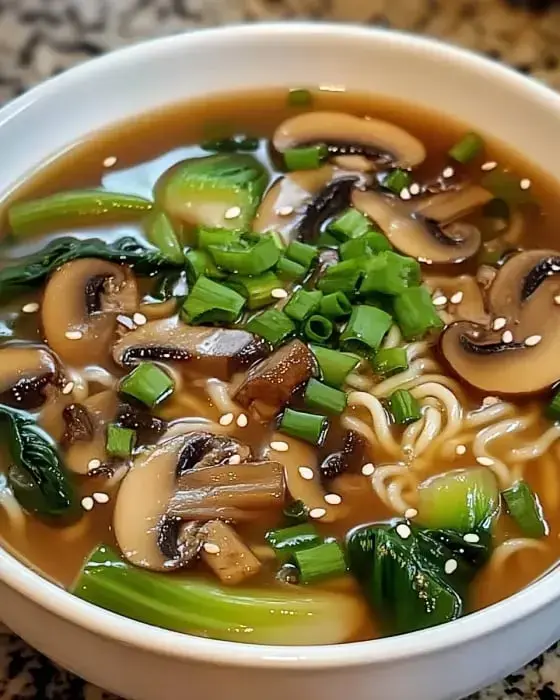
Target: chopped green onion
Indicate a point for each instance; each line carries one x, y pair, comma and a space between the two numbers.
296, 512
257, 290
553, 408
506, 186
272, 325
396, 180
524, 507
365, 246
318, 329
335, 366
290, 270
304, 426
302, 304
467, 148
278, 240
299, 97
74, 208
321, 562
161, 233
341, 277
321, 397
148, 383
327, 240
390, 361
287, 540
247, 259
306, 157
120, 441
207, 237
377, 241
365, 329
390, 273
302, 253
210, 302
350, 224
404, 407
416, 314
335, 305
199, 262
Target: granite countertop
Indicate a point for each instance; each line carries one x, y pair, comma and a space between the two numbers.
39, 38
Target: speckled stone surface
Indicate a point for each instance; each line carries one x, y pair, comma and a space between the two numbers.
39, 38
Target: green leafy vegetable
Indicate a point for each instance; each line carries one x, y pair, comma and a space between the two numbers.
525, 508
162, 234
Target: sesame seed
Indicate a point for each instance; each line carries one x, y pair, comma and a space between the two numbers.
405, 193
410, 513
100, 497
525, 183
226, 419
30, 308
285, 211
279, 446
461, 449
279, 293
232, 213
73, 335
67, 389
211, 548
87, 503
94, 464
471, 537
485, 461
557, 299
333, 498
450, 566
533, 340
507, 337
234, 459
448, 172
414, 188
242, 420
306, 473
368, 469
457, 298
139, 319
317, 513
489, 165
499, 323
403, 531
126, 322
110, 161
490, 400
440, 300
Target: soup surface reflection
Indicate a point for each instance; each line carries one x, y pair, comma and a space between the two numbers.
294, 384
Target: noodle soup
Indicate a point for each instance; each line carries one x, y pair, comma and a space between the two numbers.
293, 384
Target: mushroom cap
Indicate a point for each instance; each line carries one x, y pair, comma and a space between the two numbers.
378, 138
84, 297
25, 371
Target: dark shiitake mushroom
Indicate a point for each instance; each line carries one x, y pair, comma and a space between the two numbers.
25, 372
522, 357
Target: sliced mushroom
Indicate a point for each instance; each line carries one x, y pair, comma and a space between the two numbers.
446, 207
216, 352
270, 385
520, 358
380, 142
226, 553
25, 373
80, 307
465, 296
416, 236
338, 462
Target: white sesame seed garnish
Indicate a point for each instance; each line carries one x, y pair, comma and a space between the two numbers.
405, 193
333, 499
450, 566
211, 548
317, 513
461, 450
94, 464
533, 340
232, 213
368, 469
139, 319
68, 388
525, 183
87, 503
285, 211
100, 497
279, 293
403, 531
73, 335
471, 537
242, 420
485, 461
410, 513
499, 323
414, 189
448, 172
126, 322
234, 459
279, 446
457, 298
306, 473
226, 419
30, 308
440, 300
557, 299
109, 161
490, 400
489, 165
507, 337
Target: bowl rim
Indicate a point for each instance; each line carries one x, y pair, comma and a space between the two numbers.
163, 642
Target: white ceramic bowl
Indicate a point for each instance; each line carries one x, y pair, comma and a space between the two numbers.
146, 663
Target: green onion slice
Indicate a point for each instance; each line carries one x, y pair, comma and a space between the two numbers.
302, 253
365, 330
525, 508
290, 270
256, 290
211, 302
321, 562
318, 329
350, 224
299, 97
416, 314
342, 277
335, 366
272, 325
335, 305
306, 157
287, 540
404, 407
397, 180
302, 304
470, 146
304, 426
247, 259
148, 383
120, 441
390, 361
321, 397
